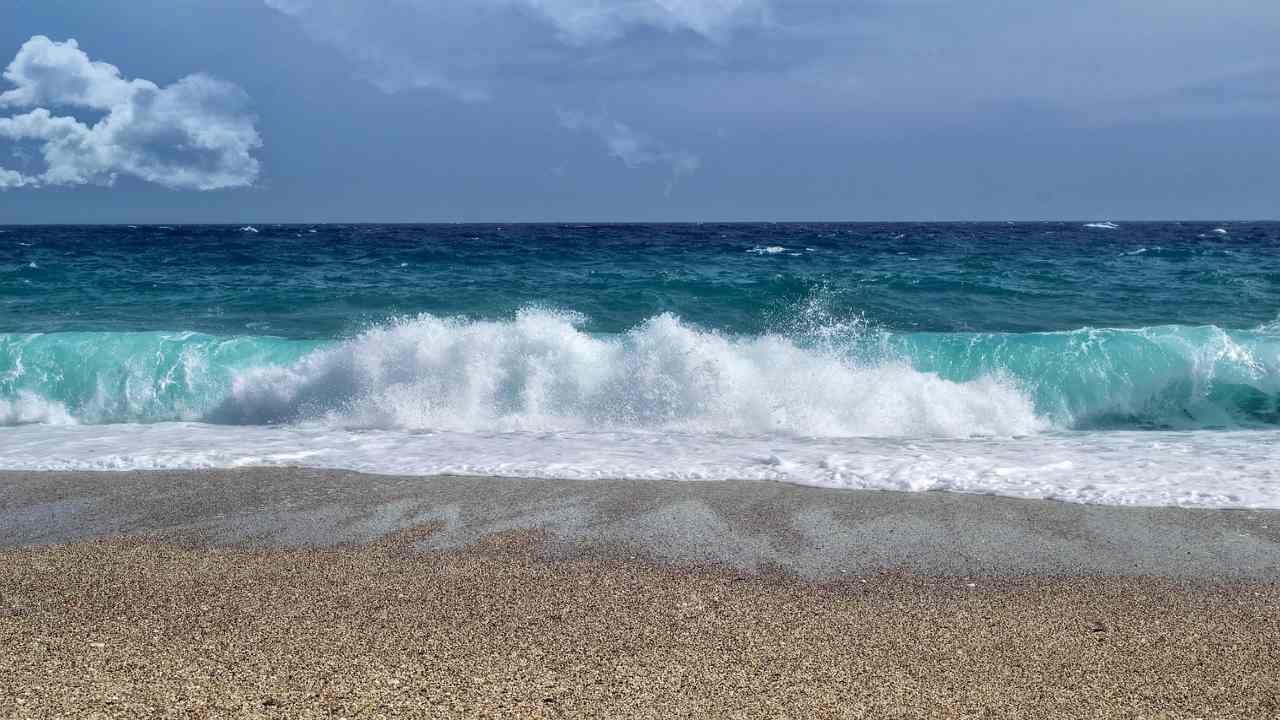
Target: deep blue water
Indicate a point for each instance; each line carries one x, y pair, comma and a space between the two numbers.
321, 282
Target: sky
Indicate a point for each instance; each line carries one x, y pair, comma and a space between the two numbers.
183, 111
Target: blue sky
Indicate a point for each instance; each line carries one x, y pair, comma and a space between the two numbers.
644, 110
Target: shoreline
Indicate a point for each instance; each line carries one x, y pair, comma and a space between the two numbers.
288, 593
743, 526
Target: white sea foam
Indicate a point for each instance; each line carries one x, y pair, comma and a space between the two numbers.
249, 229
1195, 469
1108, 225
29, 408
767, 250
536, 396
541, 372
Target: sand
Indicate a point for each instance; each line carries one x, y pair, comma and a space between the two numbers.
301, 594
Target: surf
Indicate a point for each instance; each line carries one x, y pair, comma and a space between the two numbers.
540, 371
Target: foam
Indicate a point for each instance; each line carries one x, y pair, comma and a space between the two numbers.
541, 372
1196, 469
28, 408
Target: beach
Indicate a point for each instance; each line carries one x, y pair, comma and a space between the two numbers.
639, 359
296, 593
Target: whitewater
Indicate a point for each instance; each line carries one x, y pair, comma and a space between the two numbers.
824, 385
536, 396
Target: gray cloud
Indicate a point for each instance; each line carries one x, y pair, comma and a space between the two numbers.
582, 22
194, 134
633, 148
1091, 59
465, 48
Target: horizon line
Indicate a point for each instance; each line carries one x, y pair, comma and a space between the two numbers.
1006, 221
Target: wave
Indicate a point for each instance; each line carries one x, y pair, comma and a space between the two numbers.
28, 408
541, 372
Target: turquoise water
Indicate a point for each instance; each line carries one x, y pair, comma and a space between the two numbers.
1136, 326
1170, 377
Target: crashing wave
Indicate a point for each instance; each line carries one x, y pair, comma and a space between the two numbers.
540, 371
28, 408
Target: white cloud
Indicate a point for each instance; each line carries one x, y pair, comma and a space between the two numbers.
11, 179
196, 133
633, 148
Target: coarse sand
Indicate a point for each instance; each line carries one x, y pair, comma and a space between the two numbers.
131, 628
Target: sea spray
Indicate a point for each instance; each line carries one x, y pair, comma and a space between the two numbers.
541, 371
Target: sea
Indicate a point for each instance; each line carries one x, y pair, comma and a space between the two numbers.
1092, 361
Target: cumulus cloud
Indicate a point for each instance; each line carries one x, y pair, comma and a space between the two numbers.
462, 48
633, 148
195, 134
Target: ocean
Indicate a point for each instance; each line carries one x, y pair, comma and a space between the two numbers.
1113, 363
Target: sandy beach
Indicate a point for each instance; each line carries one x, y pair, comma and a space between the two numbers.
295, 593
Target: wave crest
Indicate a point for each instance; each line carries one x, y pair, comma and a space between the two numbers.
540, 372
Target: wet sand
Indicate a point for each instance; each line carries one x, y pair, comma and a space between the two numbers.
293, 593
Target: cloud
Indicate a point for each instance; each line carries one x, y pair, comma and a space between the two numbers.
633, 148
584, 21
466, 47
11, 179
594, 21
195, 134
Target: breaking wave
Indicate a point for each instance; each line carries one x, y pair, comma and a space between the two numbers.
539, 371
